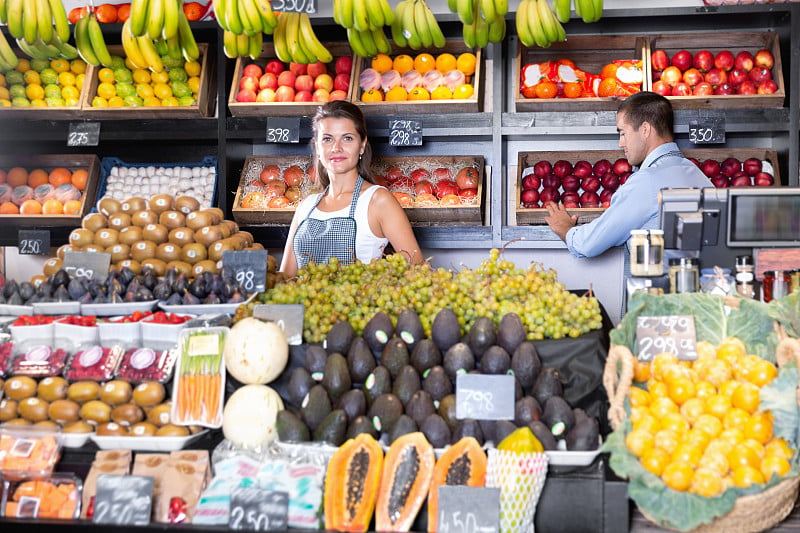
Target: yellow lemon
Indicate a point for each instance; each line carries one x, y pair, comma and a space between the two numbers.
158, 77
66, 79
34, 92
162, 90
192, 68
194, 84
77, 66
99, 101
116, 101
32, 77
105, 74
106, 90
141, 76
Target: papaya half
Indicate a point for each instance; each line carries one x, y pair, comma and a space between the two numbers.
407, 473
463, 463
351, 484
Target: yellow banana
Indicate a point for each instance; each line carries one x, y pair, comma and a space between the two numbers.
436, 31
487, 7
44, 20
219, 13
3, 11
374, 13
82, 42
360, 15
232, 16
30, 25
65, 50
347, 13
388, 14
523, 27
410, 29
368, 42
14, 17
169, 29
191, 52
481, 32
337, 12
535, 24
279, 40
501, 7
130, 46
229, 44
561, 10
155, 19
421, 23
497, 30
466, 11
397, 25
98, 43
242, 45
293, 39
249, 11
381, 42
60, 20
138, 17
311, 42
256, 43
354, 38
7, 53
150, 54
548, 20
268, 18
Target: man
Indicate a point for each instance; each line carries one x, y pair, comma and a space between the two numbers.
645, 123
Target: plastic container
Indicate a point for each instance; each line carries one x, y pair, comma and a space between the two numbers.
114, 331
38, 360
56, 497
158, 335
141, 363
28, 452
93, 362
40, 333
200, 375
6, 350
76, 335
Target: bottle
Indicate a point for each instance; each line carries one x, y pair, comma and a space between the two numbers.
655, 263
640, 252
745, 277
777, 284
684, 274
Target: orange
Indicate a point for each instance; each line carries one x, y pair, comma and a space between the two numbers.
17, 176
466, 63
639, 442
641, 371
124, 12
72, 207
30, 207
655, 460
419, 93
52, 207
193, 11
638, 397
746, 396
442, 92
661, 406
59, 176
607, 87
37, 177
397, 94
573, 89
79, 178
609, 70
545, 89
762, 373
681, 389
744, 476
446, 62
24, 65
382, 63
9, 208
403, 63
706, 482
424, 62
678, 476
76, 14
759, 427
743, 456
106, 13
772, 464
709, 424
372, 95
463, 91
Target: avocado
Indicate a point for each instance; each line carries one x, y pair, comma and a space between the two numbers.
542, 433
547, 384
300, 382
377, 383
526, 364
315, 359
425, 355
395, 356
436, 383
339, 337
353, 403
420, 406
467, 427
502, 429
510, 332
436, 431
447, 410
584, 436
495, 361
336, 376
404, 425
290, 428
445, 330
315, 407
558, 416
360, 360
332, 429
406, 383
459, 359
526, 410
378, 331
518, 392
409, 328
487, 427
385, 411
361, 424
481, 336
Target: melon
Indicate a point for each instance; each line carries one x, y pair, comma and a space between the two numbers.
248, 420
256, 351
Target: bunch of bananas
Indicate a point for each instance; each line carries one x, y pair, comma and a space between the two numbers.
157, 28
484, 20
296, 42
364, 21
588, 10
538, 25
89, 40
415, 26
40, 27
8, 59
244, 23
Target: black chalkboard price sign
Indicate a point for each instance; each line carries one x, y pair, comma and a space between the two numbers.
485, 397
295, 6
33, 242
257, 509
283, 129
89, 265
83, 134
249, 268
707, 130
123, 500
670, 333
468, 509
404, 132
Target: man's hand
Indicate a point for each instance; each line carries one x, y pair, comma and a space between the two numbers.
559, 220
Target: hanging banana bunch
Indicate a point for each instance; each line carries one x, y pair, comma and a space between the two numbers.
364, 21
244, 23
588, 10
158, 31
296, 42
415, 26
89, 40
40, 28
483, 21
538, 25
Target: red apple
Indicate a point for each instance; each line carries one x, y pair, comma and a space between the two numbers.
551, 181
315, 69
724, 60
624, 178
621, 166
298, 69
275, 66
450, 199
570, 182
275, 188
759, 75
303, 96
445, 187
529, 196
570, 196
767, 87
703, 60
692, 76
246, 95
269, 173
338, 94
548, 195
423, 187
682, 60
266, 95
468, 194
286, 78
268, 81
703, 89
681, 89
741, 180
590, 184
724, 88
744, 61
716, 76
659, 60
672, 75
531, 181
710, 167
605, 196
323, 81
285, 93
721, 181
343, 65
601, 167
590, 199
582, 169
304, 82
320, 95
542, 168
751, 166
746, 87
293, 176
737, 76
419, 174
764, 58
442, 173
467, 178
695, 161
561, 168
656, 75
610, 181
249, 82
393, 173
342, 82
661, 87
730, 166
763, 179
252, 70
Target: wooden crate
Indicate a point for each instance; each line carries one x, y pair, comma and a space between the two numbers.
589, 53
764, 154
48, 162
203, 108
473, 104
253, 109
714, 43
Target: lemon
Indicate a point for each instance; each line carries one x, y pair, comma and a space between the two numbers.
48, 76
106, 90
141, 76
162, 90
66, 79
4, 102
170, 101
38, 103
32, 77
4, 94
77, 66
105, 74
70, 93
192, 68
144, 90
99, 101
159, 77
23, 65
34, 92
116, 101
79, 81
194, 84
60, 65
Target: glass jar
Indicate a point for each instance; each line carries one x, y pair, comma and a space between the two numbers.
655, 261
776, 285
640, 252
745, 276
684, 275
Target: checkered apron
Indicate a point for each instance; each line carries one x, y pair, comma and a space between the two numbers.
319, 240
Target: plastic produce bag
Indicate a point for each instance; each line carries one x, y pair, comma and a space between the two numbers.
520, 478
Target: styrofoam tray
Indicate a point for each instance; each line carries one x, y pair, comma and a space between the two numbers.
57, 308
200, 309
125, 308
566, 458
160, 444
15, 310
75, 440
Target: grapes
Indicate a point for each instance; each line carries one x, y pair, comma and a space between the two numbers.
355, 292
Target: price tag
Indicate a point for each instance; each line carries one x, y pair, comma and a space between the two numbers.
295, 6
672, 333
468, 509
89, 265
283, 129
83, 134
403, 132
33, 242
288, 316
707, 130
123, 500
257, 509
485, 397
249, 268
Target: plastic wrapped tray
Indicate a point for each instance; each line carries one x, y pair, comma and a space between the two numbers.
117, 309
159, 444
204, 309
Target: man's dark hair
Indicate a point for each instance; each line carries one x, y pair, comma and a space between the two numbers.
649, 107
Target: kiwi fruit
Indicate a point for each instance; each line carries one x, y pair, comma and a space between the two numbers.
119, 252
94, 222
19, 421
108, 206
142, 250
20, 387
208, 235
33, 409
111, 429
127, 414
144, 217
181, 236
143, 429
168, 251
206, 265
79, 426
149, 393
217, 214
181, 266
157, 233
171, 430
130, 235
83, 391
96, 411
194, 252
62, 250
133, 205
54, 264
158, 265
160, 414
172, 219
199, 219
119, 220
133, 264
52, 388
186, 204
64, 411
224, 229
116, 392
95, 248
160, 202
46, 424
106, 237
81, 237
8, 409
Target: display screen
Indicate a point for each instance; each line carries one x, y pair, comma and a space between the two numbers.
764, 217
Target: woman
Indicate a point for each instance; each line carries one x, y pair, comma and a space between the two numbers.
352, 218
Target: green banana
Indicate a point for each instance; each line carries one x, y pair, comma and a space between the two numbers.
44, 20
468, 34
138, 17
548, 20
497, 30
7, 53
279, 40
229, 44
388, 14
421, 23
466, 11
155, 19
436, 31
14, 18
383, 44
361, 20
375, 13
452, 5
501, 7
150, 54
219, 12
368, 42
586, 10
311, 42
82, 42
59, 20
3, 11
31, 50
191, 52
487, 7
347, 13
66, 50
30, 29
161, 46
5, 66
173, 47
268, 18
561, 9
256, 43
337, 12
252, 14
481, 32
170, 26
397, 26
232, 17
97, 41
535, 24
130, 46
354, 38
50, 50
598, 10
410, 29
523, 28
242, 45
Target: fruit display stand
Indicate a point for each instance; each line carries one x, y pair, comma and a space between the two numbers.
72, 162
203, 106
767, 156
590, 53
279, 108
